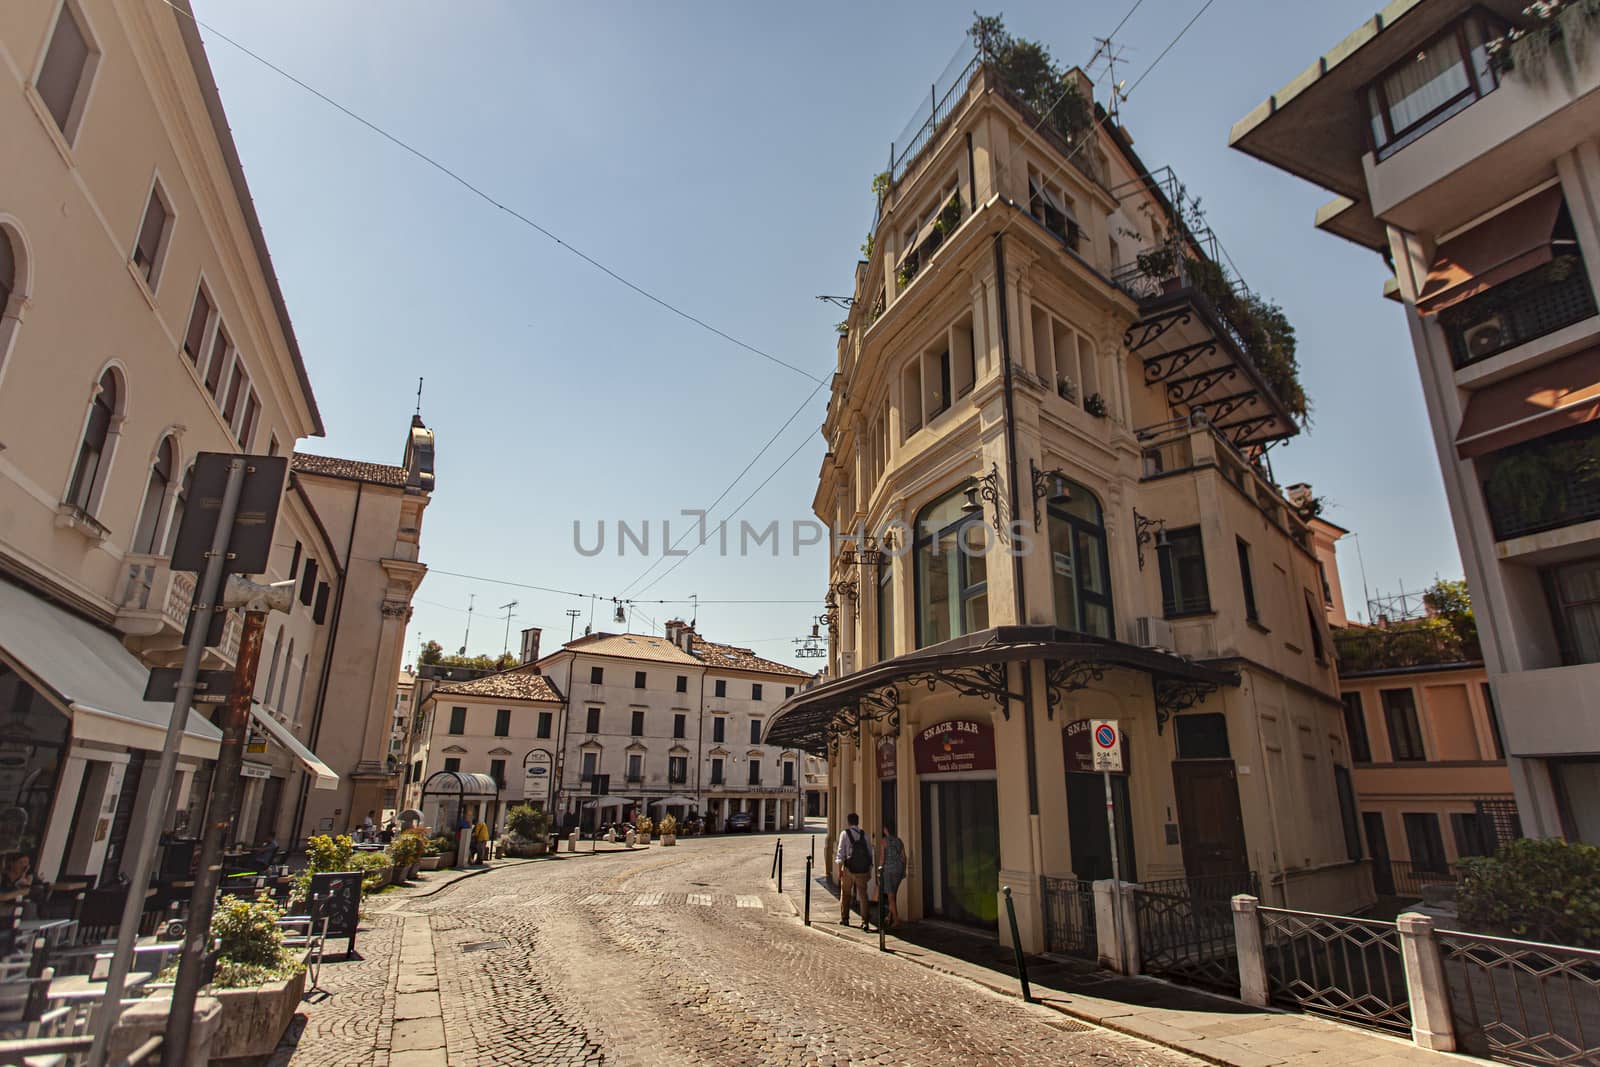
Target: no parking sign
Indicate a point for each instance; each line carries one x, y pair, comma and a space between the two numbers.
1106, 744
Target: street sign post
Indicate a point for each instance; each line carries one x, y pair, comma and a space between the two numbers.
1105, 743
537, 766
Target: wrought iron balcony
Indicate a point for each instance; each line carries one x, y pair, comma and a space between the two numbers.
1523, 309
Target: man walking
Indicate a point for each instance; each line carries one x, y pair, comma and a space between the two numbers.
855, 864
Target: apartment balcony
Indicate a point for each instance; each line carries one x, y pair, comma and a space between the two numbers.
1523, 309
1545, 484
1404, 647
153, 610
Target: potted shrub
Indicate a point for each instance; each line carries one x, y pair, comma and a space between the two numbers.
669, 830
528, 828
644, 827
377, 870
258, 982
405, 851
430, 858
445, 847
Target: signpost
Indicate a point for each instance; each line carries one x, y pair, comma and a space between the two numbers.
1105, 744
537, 766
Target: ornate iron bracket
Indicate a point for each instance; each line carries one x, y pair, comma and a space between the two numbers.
1240, 432
1163, 367
1177, 694
1151, 329
847, 586
1147, 530
986, 488
1047, 483
1063, 676
986, 680
1183, 390
1219, 409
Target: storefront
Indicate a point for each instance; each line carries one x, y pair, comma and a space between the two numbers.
1086, 809
960, 821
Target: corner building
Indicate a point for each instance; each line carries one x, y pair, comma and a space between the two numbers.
1056, 443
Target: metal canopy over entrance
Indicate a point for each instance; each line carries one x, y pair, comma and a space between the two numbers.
976, 665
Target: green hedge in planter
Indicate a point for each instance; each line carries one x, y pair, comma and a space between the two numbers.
1537, 890
252, 951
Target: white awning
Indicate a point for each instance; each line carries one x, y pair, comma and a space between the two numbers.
86, 672
669, 802
605, 802
322, 775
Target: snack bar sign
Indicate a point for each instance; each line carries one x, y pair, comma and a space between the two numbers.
955, 746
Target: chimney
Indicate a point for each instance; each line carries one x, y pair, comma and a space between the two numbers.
686, 637
530, 644
674, 627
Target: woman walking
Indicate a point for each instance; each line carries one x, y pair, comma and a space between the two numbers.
894, 870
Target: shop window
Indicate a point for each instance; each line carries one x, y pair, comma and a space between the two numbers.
1202, 736
1079, 562
951, 570
1184, 590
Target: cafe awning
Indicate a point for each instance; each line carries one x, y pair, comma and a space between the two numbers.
668, 802
86, 672
322, 776
1511, 243
459, 784
1534, 403
976, 665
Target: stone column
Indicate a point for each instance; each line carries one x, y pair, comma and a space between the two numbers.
1431, 1024
1252, 959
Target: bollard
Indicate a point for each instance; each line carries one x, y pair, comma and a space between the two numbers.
780, 866
880, 909
777, 851
1016, 946
808, 890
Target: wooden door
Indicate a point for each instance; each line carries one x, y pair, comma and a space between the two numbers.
1209, 818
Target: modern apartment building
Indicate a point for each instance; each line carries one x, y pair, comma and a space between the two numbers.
1054, 436
1459, 140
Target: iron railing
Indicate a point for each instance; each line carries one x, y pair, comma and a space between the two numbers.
1335, 965
1186, 928
1544, 484
1069, 921
1527, 307
1522, 1002
1406, 878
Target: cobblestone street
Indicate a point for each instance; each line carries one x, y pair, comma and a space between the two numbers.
661, 956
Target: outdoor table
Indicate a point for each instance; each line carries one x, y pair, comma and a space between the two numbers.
79, 987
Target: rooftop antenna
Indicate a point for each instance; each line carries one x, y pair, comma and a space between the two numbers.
419, 397
1111, 54
471, 598
507, 609
572, 622
694, 616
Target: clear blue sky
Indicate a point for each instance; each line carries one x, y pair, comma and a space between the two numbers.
721, 156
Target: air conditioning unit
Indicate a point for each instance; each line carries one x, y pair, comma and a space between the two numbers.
1151, 632
1486, 337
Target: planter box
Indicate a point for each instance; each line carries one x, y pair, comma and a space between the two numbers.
429, 863
524, 850
643, 839
254, 1019
669, 839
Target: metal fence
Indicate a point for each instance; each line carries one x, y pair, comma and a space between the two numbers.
1185, 928
1405, 878
1522, 1002
1069, 923
1335, 965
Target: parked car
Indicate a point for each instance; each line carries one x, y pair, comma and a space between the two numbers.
741, 822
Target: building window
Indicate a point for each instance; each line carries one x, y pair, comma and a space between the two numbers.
545, 721
63, 81
1183, 574
1250, 612
88, 474
1079, 564
416, 771
458, 720
680, 724
294, 561
319, 610
1494, 721
308, 583
152, 238
1318, 649
591, 761
1575, 591
683, 683
593, 725
1405, 733
788, 691
638, 679
8, 270
497, 771
722, 687
755, 731
951, 570
1577, 783
755, 691
1327, 589
502, 722
788, 772
1434, 83
677, 769
716, 770
220, 348
885, 613
1347, 811
1355, 728
1202, 736
597, 675
1424, 842
194, 339
1474, 834
719, 729
635, 767
452, 763
147, 537
755, 772
637, 728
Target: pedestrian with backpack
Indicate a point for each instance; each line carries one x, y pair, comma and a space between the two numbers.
855, 866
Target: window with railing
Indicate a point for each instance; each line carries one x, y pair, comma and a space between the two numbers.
1527, 307
1544, 484
1439, 80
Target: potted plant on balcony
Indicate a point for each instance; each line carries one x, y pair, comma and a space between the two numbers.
528, 828
1067, 389
1095, 404
669, 830
643, 828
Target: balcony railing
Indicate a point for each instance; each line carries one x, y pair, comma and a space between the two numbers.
1192, 443
1545, 484
1523, 309
152, 590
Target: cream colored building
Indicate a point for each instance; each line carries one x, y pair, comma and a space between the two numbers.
1479, 184
1056, 448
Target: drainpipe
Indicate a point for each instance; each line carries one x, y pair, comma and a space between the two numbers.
700, 750
327, 662
556, 800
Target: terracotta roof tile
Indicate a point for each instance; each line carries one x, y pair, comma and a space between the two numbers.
633, 646
518, 683
351, 470
717, 655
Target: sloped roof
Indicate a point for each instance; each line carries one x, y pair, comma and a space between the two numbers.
518, 683
350, 470
717, 655
633, 646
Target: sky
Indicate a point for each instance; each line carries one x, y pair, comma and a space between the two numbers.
720, 157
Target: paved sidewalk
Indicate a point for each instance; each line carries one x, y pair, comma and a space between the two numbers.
1212, 1028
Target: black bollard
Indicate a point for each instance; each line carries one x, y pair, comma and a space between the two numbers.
808, 890
1016, 946
780, 866
777, 850
880, 908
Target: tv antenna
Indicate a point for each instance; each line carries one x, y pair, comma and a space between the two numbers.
1110, 53
471, 599
507, 609
572, 622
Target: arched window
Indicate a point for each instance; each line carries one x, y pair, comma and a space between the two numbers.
177, 510
952, 573
1078, 561
8, 270
92, 454
147, 535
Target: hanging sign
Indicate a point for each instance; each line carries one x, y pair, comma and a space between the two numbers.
1106, 744
888, 758
955, 746
1079, 744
